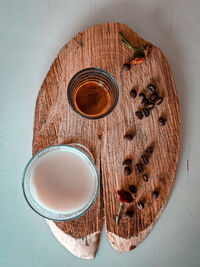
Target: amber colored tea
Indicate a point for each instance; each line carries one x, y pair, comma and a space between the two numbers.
92, 99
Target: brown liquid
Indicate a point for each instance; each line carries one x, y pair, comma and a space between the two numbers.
92, 99
63, 181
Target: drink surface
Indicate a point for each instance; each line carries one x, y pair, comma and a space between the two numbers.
63, 180
92, 98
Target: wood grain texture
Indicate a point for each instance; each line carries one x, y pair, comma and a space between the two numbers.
56, 123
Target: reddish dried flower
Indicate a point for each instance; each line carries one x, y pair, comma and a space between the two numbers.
147, 50
137, 60
139, 54
124, 196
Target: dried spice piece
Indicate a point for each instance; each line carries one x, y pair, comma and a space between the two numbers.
139, 168
151, 88
129, 213
145, 112
140, 205
144, 159
155, 194
149, 150
133, 189
161, 121
153, 97
127, 170
150, 105
144, 102
139, 115
124, 198
145, 177
142, 96
158, 100
128, 137
127, 162
127, 66
133, 93
139, 54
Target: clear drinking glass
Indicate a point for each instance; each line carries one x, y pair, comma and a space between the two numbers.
102, 79
28, 187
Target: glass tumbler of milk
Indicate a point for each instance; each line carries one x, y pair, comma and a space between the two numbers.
61, 182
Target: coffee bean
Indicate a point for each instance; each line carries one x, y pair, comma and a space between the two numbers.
161, 121
127, 162
145, 112
129, 214
132, 188
139, 115
150, 105
144, 159
158, 101
155, 194
142, 96
127, 170
153, 97
127, 66
133, 93
149, 150
140, 205
145, 177
151, 88
128, 137
144, 102
139, 168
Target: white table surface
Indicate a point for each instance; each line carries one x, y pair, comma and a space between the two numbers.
31, 34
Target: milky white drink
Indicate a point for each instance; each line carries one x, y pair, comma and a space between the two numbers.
63, 180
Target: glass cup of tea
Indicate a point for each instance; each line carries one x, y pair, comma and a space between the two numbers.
93, 93
61, 182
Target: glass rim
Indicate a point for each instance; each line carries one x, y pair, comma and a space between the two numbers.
100, 71
24, 176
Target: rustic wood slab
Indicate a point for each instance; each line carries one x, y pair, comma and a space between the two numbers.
56, 123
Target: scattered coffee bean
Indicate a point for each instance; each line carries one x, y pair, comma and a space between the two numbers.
128, 137
149, 150
129, 214
139, 168
151, 88
153, 97
132, 188
139, 115
158, 101
144, 102
161, 121
155, 194
150, 105
127, 170
133, 93
144, 159
145, 112
145, 177
127, 162
142, 96
127, 66
140, 205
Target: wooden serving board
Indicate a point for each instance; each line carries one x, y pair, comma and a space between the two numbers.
56, 123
